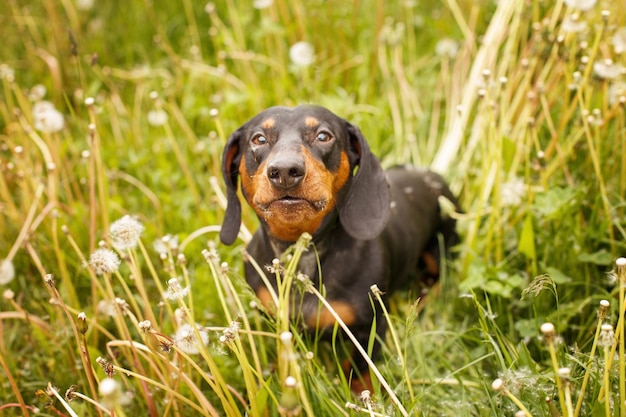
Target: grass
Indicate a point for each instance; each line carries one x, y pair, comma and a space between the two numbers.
119, 300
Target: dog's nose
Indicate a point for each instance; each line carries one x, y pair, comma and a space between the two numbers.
286, 173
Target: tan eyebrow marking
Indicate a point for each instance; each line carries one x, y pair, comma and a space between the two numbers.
311, 121
268, 123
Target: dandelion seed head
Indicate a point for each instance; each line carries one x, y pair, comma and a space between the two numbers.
606, 336
158, 117
110, 392
106, 308
573, 24
37, 92
302, 54
85, 4
619, 40
175, 290
47, 118
262, 4
616, 92
104, 261
230, 333
582, 5
512, 192
607, 69
7, 73
145, 326
187, 341
7, 271
166, 244
125, 233
447, 47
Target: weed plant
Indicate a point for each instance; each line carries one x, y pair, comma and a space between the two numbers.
118, 300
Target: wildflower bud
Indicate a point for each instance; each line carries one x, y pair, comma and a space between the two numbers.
82, 323
49, 280
224, 268
214, 112
70, 394
375, 290
520, 413
290, 382
8, 294
181, 259
154, 95
564, 373
548, 332
89, 101
309, 355
497, 385
604, 307
145, 326
366, 396
289, 401
286, 337
606, 335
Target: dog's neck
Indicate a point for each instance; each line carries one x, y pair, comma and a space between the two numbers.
309, 259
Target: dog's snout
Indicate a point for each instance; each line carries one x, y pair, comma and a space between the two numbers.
286, 173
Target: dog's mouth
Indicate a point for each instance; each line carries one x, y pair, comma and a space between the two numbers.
291, 202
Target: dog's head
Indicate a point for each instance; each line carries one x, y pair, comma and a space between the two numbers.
297, 166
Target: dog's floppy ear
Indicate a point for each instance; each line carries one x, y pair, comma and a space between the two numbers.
231, 158
365, 211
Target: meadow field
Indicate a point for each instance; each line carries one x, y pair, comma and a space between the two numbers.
118, 299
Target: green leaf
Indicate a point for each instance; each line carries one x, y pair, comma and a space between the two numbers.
601, 257
526, 243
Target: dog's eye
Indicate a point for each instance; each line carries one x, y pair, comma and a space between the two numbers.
259, 140
323, 137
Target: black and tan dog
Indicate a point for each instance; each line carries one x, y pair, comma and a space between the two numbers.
304, 169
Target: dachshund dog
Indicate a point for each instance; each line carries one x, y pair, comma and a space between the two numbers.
304, 169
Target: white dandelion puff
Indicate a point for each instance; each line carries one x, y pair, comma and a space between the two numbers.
125, 233
447, 47
302, 54
262, 4
166, 244
104, 261
512, 193
582, 5
174, 290
47, 118
619, 40
7, 271
157, 117
106, 308
573, 24
607, 69
186, 338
